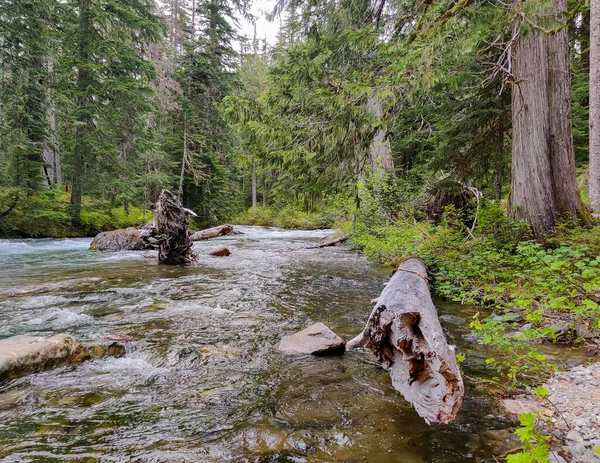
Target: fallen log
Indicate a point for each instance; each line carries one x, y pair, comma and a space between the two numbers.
213, 232
404, 333
171, 219
331, 242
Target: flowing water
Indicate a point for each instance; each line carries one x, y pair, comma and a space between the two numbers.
201, 382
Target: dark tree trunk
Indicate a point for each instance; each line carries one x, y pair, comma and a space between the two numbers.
175, 244
84, 111
562, 151
594, 173
543, 182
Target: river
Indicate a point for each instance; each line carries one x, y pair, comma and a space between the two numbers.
202, 381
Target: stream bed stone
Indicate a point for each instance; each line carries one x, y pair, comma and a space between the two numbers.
20, 355
317, 339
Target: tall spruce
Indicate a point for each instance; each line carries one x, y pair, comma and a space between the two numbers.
109, 55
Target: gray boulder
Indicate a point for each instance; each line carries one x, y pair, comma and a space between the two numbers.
20, 355
128, 239
317, 339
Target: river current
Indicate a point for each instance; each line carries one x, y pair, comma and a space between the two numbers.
201, 380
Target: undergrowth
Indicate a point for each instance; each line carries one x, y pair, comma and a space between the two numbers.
493, 265
46, 215
288, 217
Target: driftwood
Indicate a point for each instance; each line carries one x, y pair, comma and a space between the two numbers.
213, 232
171, 219
322, 244
332, 242
405, 334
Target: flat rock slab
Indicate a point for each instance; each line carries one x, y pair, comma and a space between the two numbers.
317, 339
513, 408
20, 355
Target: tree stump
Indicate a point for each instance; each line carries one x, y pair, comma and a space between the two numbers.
174, 243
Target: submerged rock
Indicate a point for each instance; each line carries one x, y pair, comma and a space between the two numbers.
317, 339
106, 349
220, 252
128, 239
20, 355
507, 317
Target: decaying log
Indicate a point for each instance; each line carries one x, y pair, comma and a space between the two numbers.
213, 232
405, 334
171, 219
332, 242
322, 244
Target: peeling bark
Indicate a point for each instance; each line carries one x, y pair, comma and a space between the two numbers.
404, 333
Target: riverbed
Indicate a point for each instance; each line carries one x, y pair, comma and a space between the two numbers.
201, 381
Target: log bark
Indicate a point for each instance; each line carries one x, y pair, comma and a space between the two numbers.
404, 333
213, 232
174, 243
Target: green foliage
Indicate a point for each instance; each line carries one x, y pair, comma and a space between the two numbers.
46, 215
289, 217
497, 269
535, 447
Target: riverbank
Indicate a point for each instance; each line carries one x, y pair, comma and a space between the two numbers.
562, 418
46, 215
538, 292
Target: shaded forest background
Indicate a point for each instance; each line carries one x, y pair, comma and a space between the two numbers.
395, 109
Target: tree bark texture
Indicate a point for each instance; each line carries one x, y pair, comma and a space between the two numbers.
404, 333
380, 151
175, 245
594, 172
562, 150
543, 182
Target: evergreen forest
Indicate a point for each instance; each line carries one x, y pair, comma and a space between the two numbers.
462, 132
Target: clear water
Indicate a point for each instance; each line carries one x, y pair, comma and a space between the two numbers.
202, 381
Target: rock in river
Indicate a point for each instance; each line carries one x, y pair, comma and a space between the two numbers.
317, 339
128, 239
20, 355
106, 349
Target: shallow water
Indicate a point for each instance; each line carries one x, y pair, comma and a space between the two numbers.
202, 382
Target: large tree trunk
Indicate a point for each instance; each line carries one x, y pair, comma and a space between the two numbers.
594, 173
543, 182
175, 245
380, 151
531, 191
562, 151
405, 334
